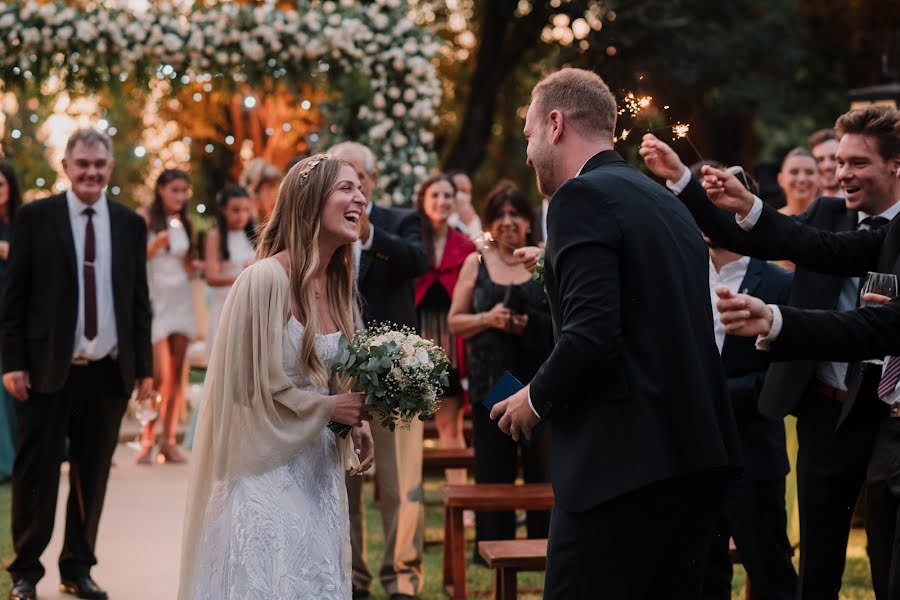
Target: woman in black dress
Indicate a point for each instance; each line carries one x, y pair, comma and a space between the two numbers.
504, 317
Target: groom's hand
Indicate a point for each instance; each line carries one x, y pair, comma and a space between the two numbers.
516, 416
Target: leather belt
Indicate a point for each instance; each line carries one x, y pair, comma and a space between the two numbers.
831, 392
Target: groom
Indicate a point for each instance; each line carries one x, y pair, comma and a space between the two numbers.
644, 440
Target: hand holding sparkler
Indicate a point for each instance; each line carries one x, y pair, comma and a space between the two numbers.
726, 191
661, 159
529, 255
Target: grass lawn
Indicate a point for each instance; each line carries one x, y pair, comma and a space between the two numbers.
857, 584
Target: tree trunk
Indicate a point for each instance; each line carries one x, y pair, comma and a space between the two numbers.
503, 41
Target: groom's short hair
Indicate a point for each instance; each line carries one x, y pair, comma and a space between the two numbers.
582, 97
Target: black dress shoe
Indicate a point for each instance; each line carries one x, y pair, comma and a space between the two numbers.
403, 597
23, 589
82, 587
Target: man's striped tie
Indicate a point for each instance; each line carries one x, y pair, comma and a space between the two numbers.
890, 378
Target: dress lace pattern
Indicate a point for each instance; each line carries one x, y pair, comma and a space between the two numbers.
284, 533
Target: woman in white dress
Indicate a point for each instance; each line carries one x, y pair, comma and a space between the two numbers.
229, 250
169, 279
267, 512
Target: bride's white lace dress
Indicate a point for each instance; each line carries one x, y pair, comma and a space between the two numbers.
283, 534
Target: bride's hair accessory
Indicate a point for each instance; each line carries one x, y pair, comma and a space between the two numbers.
312, 164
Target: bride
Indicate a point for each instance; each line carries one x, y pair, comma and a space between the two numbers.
267, 509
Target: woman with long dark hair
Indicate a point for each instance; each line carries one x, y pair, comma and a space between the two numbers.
446, 249
230, 249
10, 200
169, 277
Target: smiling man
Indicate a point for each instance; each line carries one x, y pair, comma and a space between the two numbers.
823, 144
75, 341
869, 158
835, 431
642, 429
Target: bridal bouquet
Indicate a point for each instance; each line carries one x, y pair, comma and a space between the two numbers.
401, 374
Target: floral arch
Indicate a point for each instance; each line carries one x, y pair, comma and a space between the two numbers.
375, 62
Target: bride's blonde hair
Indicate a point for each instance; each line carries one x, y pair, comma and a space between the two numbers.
295, 225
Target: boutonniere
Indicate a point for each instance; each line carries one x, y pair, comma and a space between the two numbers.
538, 274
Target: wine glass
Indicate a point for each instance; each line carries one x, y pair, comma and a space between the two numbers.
144, 409
878, 283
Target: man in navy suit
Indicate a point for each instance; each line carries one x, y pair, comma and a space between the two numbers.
754, 513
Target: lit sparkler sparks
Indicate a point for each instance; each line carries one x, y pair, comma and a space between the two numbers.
635, 104
681, 130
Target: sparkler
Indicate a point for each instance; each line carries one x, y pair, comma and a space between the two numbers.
485, 241
635, 104
680, 131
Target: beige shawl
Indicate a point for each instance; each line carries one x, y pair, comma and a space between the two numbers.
252, 419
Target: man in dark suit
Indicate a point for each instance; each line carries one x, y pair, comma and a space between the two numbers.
754, 513
835, 432
389, 257
869, 148
643, 433
75, 338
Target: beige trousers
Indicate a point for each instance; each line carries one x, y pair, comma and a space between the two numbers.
398, 473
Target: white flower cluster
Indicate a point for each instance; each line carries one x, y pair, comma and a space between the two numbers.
374, 46
401, 373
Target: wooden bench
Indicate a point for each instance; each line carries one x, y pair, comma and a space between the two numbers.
483, 497
507, 558
438, 459
430, 430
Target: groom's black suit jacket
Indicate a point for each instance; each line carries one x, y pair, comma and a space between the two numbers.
634, 389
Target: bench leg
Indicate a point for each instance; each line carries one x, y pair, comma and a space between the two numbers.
454, 553
448, 571
505, 584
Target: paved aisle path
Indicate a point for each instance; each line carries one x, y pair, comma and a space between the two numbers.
140, 532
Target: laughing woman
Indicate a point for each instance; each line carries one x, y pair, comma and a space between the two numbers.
267, 512
446, 249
